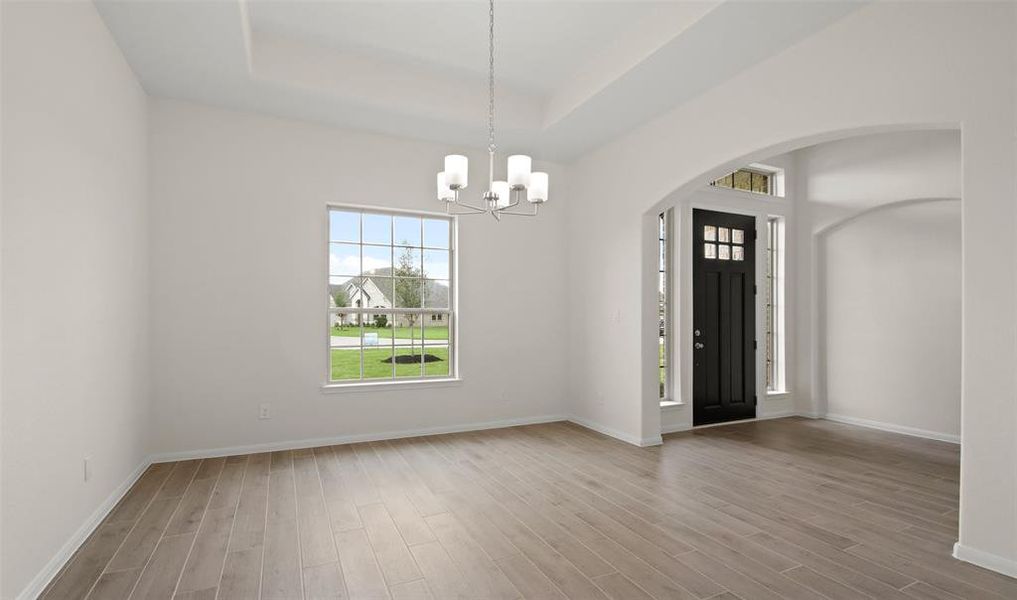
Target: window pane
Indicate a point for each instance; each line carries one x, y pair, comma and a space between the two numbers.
742, 180
738, 253
377, 260
436, 264
344, 259
737, 236
339, 293
436, 294
407, 231
407, 262
437, 362
436, 233
760, 183
344, 226
709, 250
435, 328
408, 292
344, 330
370, 292
709, 233
345, 363
409, 362
724, 234
378, 362
375, 334
377, 229
724, 252
406, 329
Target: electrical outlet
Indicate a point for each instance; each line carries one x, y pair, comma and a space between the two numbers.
86, 471
265, 411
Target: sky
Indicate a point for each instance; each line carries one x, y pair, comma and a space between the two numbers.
352, 234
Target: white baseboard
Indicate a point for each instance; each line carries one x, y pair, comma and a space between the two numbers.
912, 431
653, 440
46, 575
350, 439
986, 560
665, 429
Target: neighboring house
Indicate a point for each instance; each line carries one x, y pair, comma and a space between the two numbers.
373, 291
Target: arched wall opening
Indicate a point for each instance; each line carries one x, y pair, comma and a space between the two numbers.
824, 88
889, 318
803, 316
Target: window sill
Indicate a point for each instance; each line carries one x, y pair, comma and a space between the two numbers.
378, 386
670, 404
778, 395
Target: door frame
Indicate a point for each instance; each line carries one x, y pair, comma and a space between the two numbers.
678, 417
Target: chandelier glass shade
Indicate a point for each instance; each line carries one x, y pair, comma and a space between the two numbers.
521, 186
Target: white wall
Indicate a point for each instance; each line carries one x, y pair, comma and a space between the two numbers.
892, 317
238, 305
824, 88
75, 345
839, 181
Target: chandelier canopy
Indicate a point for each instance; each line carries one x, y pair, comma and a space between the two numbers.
502, 196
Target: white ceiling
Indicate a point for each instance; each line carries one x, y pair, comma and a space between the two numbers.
572, 75
539, 43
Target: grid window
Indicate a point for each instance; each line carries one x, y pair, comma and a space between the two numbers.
748, 180
664, 303
390, 310
774, 333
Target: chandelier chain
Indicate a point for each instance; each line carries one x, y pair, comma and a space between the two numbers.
490, 81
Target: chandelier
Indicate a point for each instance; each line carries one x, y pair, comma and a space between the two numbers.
502, 196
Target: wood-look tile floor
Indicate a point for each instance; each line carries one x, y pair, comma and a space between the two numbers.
790, 508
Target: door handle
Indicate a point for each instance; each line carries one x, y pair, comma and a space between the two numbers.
699, 346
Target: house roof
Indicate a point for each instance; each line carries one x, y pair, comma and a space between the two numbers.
379, 278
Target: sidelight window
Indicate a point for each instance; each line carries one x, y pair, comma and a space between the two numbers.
664, 303
774, 291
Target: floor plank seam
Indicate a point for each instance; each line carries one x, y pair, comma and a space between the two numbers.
137, 520
851, 513
197, 530
162, 536
233, 526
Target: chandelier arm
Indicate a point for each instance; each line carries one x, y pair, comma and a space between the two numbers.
507, 209
471, 210
468, 206
535, 212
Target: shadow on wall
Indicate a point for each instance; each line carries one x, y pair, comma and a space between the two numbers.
890, 317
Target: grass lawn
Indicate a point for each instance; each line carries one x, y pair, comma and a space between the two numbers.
438, 332
346, 363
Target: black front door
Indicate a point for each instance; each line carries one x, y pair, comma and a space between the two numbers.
724, 317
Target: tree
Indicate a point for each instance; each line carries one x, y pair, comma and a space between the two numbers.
342, 299
409, 287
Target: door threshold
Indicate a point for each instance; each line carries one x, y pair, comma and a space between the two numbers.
756, 418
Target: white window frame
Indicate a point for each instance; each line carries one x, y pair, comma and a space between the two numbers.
450, 312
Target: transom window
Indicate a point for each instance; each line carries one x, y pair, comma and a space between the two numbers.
723, 243
748, 180
390, 305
